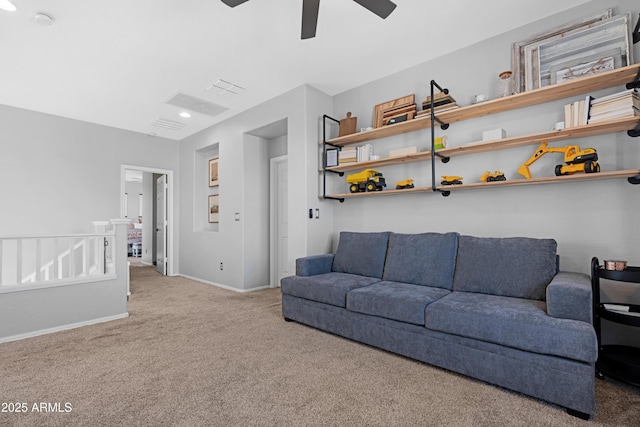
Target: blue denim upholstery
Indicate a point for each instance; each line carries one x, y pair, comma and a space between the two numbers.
515, 267
514, 322
422, 259
399, 301
361, 253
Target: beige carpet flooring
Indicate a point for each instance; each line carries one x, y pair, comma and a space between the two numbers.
191, 354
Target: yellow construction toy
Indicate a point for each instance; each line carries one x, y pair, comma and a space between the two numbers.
367, 180
451, 180
490, 177
407, 183
576, 160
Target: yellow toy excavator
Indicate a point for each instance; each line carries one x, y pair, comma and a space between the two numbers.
576, 160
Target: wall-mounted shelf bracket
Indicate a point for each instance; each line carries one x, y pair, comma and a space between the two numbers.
443, 159
340, 199
636, 32
635, 84
445, 193
635, 132
635, 180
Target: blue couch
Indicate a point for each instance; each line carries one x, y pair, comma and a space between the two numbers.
495, 309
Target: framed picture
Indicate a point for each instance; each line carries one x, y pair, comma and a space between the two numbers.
602, 47
213, 172
214, 208
526, 56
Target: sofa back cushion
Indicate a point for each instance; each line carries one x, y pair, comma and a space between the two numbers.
516, 267
361, 253
427, 259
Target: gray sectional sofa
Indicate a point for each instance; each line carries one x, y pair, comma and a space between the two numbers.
495, 309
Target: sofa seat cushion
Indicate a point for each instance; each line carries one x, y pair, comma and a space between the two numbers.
361, 253
422, 259
393, 300
518, 267
513, 322
328, 288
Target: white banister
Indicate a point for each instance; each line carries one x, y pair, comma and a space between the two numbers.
35, 260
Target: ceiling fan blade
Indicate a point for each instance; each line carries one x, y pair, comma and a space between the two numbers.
309, 18
382, 8
233, 3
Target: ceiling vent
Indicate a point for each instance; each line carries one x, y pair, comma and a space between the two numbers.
198, 105
168, 124
223, 87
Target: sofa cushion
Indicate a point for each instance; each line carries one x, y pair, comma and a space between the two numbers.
397, 301
329, 288
422, 259
513, 322
361, 253
516, 267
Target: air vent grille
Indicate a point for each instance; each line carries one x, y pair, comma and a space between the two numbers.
168, 124
224, 87
196, 104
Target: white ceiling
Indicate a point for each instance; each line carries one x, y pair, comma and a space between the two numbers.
117, 62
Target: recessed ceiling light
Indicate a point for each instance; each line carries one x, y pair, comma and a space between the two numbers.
7, 5
43, 18
185, 115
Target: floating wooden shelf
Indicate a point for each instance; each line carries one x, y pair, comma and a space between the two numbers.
617, 77
496, 184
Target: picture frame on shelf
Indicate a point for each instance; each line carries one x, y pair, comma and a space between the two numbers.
603, 46
213, 172
525, 53
214, 208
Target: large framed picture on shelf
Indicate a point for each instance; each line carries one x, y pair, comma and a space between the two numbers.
526, 53
213, 172
214, 208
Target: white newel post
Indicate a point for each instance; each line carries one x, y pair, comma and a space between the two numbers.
119, 250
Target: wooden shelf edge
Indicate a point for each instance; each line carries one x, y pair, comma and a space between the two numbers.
381, 193
544, 180
604, 80
600, 128
387, 161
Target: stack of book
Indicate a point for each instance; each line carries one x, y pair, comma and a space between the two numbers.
616, 106
441, 102
361, 153
347, 155
577, 113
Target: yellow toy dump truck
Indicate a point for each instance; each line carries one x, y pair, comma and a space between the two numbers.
367, 180
407, 183
491, 177
451, 180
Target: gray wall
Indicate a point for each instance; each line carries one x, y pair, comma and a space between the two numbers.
587, 219
242, 159
60, 174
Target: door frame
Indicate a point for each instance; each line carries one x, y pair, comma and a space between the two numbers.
273, 223
170, 208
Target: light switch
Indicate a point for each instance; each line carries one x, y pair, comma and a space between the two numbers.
237, 216
317, 213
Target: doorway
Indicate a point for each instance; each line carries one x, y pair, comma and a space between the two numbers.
155, 215
279, 206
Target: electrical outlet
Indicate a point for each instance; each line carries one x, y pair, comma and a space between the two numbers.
221, 267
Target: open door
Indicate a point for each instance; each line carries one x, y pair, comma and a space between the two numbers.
161, 225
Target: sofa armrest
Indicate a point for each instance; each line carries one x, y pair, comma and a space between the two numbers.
569, 297
313, 265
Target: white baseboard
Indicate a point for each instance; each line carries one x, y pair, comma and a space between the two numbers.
229, 288
62, 328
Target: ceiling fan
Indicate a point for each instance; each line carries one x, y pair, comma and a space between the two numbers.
382, 8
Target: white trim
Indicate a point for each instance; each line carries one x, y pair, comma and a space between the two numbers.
63, 328
55, 284
170, 208
229, 288
273, 226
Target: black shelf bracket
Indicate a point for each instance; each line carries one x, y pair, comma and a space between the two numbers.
636, 31
635, 132
635, 84
443, 126
326, 118
635, 180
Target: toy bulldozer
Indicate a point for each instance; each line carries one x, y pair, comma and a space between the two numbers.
576, 160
